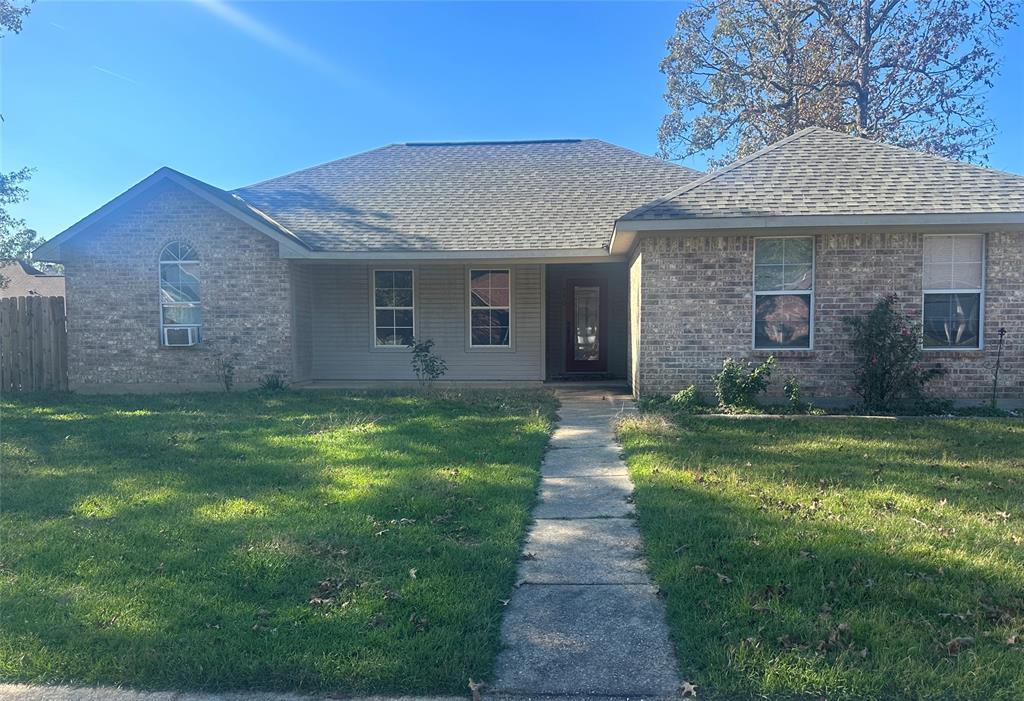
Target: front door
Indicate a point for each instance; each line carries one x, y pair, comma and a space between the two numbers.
587, 333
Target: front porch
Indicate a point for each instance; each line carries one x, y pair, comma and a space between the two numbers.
494, 323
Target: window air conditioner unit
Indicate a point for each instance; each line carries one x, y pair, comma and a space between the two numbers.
181, 337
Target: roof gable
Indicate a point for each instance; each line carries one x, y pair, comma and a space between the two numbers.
233, 204
818, 172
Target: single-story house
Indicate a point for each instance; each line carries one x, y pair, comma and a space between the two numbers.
536, 261
21, 279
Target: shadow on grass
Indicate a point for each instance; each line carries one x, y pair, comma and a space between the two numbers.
833, 570
325, 541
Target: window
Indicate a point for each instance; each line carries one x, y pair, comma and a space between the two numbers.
490, 308
181, 315
953, 285
393, 310
783, 292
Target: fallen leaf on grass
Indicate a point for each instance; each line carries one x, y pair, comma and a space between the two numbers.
835, 638
957, 645
412, 572
723, 579
475, 687
419, 623
688, 690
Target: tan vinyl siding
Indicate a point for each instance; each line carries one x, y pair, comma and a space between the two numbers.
302, 320
342, 325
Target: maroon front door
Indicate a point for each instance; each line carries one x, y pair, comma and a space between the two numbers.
586, 318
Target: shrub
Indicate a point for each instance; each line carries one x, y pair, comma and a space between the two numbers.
887, 345
273, 382
738, 384
224, 367
792, 390
687, 400
427, 364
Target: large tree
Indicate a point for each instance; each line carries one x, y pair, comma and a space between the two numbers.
744, 73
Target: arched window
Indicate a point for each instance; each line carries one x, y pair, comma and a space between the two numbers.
181, 315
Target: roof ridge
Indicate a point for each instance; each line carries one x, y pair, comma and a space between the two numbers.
711, 176
510, 142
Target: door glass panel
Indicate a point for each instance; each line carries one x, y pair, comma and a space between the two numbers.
587, 313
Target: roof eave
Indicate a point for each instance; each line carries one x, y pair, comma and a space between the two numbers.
626, 230
535, 255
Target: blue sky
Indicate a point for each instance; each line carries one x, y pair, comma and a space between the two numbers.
97, 95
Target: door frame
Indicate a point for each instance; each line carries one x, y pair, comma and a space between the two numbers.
584, 366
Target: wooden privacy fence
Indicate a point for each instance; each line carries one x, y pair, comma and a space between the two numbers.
33, 344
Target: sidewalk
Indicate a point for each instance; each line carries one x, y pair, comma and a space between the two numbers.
586, 619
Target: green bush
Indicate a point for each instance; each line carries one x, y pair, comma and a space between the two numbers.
426, 364
792, 391
738, 384
687, 400
887, 345
273, 382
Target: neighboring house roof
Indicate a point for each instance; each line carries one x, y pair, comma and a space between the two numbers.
485, 196
821, 172
233, 204
23, 280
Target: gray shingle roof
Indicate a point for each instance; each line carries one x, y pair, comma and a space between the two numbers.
821, 172
466, 196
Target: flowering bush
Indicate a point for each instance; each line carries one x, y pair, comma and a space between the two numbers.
887, 344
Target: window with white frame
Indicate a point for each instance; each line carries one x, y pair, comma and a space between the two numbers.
181, 314
490, 308
393, 308
783, 292
953, 290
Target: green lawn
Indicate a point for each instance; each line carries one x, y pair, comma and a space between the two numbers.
302, 540
837, 558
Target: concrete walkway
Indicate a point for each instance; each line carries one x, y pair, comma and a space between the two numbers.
585, 619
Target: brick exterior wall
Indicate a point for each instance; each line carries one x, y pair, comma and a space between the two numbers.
113, 297
693, 304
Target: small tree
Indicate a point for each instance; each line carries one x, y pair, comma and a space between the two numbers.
887, 344
427, 364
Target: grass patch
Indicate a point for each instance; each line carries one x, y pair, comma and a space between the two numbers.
837, 558
309, 540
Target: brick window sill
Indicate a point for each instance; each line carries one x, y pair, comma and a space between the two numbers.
782, 352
